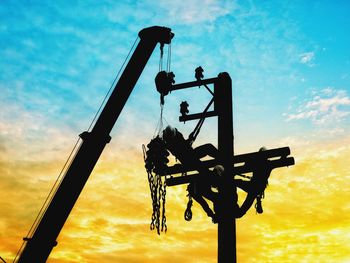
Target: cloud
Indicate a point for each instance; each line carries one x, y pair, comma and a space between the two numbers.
329, 106
198, 11
174, 13
304, 205
307, 58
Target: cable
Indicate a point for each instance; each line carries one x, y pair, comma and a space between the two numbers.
59, 179
47, 201
160, 123
161, 57
169, 58
93, 118
112, 85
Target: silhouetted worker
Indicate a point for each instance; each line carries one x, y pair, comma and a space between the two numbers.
256, 186
183, 151
200, 188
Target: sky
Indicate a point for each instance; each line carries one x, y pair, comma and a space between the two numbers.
290, 67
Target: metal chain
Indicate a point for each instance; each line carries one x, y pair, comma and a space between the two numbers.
152, 186
158, 196
164, 226
159, 191
157, 185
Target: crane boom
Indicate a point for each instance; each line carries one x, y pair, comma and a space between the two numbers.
41, 243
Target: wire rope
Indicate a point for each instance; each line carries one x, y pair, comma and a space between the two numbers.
112, 85
59, 179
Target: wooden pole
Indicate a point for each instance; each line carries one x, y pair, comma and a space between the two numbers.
227, 203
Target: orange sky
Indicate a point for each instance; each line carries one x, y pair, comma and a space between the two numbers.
306, 213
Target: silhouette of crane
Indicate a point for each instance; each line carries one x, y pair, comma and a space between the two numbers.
39, 245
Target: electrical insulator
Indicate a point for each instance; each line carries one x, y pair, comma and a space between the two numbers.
199, 73
184, 108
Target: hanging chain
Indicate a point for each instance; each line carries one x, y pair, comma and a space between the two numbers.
153, 187
157, 185
162, 196
158, 196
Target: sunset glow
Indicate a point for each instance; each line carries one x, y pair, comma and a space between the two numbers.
290, 66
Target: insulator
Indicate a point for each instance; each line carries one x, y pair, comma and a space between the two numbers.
199, 73
184, 108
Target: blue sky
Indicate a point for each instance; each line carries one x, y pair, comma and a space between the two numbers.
60, 58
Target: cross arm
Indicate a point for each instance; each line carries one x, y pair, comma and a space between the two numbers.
243, 163
192, 84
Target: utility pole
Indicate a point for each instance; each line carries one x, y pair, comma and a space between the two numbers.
227, 196
226, 204
227, 190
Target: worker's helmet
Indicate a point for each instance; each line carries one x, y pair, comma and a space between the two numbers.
263, 149
218, 170
169, 133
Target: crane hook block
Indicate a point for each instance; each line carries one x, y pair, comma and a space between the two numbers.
163, 81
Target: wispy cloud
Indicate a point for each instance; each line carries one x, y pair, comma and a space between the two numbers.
197, 11
330, 105
307, 58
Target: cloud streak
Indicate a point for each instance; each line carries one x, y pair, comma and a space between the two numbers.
196, 12
327, 107
307, 58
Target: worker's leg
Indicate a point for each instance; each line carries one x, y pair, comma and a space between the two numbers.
205, 207
211, 195
244, 185
206, 149
196, 194
246, 205
254, 188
